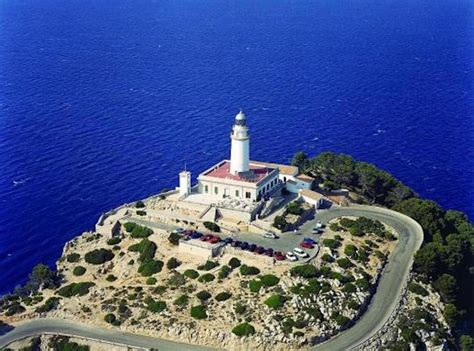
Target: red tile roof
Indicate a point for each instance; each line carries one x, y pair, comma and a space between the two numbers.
256, 174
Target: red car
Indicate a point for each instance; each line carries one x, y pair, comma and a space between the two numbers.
306, 245
214, 239
206, 237
259, 250
279, 256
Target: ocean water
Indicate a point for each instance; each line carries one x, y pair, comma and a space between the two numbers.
104, 102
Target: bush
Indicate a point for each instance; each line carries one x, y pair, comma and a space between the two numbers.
181, 301
110, 318
331, 243
249, 270
335, 227
150, 267
304, 271
151, 281
15, 308
275, 301
160, 289
198, 312
213, 227
208, 266
294, 208
243, 329
111, 278
224, 272
255, 285
114, 241
139, 204
353, 305
137, 231
327, 258
191, 273
49, 305
417, 289
176, 280
172, 263
146, 248
239, 308
78, 271
203, 295
269, 280
349, 288
341, 320
155, 306
351, 251
141, 213
99, 256
281, 223
206, 278
234, 262
344, 263
73, 257
223, 296
73, 289
174, 238
363, 284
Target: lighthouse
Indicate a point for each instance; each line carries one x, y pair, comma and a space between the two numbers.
239, 151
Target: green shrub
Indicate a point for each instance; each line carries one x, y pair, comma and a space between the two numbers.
78, 271
224, 272
176, 280
239, 308
172, 263
314, 312
160, 289
341, 320
269, 280
139, 231
213, 227
294, 208
49, 305
110, 318
114, 241
243, 329
151, 281
191, 273
351, 251
380, 255
181, 301
234, 262
353, 305
139, 204
174, 238
99, 256
255, 285
129, 226
141, 213
111, 278
327, 258
281, 223
335, 227
331, 243
155, 306
223, 296
344, 263
363, 284
150, 267
15, 308
349, 288
198, 312
304, 271
275, 301
208, 266
249, 270
206, 278
203, 295
73, 257
75, 289
146, 248
338, 237
417, 289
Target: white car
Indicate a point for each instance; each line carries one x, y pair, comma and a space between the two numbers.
178, 230
290, 256
319, 225
270, 235
300, 252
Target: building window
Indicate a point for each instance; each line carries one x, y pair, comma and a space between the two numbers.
237, 193
216, 190
248, 195
206, 189
284, 179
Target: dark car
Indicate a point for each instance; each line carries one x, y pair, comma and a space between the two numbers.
309, 240
228, 240
206, 237
252, 247
269, 252
236, 243
244, 245
259, 250
279, 256
306, 245
196, 235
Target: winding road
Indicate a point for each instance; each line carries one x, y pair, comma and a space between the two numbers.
381, 306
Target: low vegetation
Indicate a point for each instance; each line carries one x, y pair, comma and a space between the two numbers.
98, 256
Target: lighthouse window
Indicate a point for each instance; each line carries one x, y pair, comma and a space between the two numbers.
247, 195
237, 193
216, 190
206, 189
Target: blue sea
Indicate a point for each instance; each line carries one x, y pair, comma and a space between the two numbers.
104, 102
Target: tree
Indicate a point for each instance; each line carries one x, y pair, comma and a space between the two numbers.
299, 160
243, 329
428, 259
42, 277
446, 286
451, 314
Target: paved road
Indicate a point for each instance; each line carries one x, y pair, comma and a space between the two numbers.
382, 304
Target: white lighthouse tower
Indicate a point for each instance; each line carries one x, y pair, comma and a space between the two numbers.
239, 152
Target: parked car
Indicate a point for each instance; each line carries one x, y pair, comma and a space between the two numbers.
319, 225
279, 256
252, 247
306, 245
244, 245
228, 241
178, 230
269, 252
310, 241
206, 237
300, 252
291, 256
214, 239
196, 235
270, 235
259, 250
236, 243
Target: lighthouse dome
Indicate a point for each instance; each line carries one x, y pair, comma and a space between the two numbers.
240, 116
